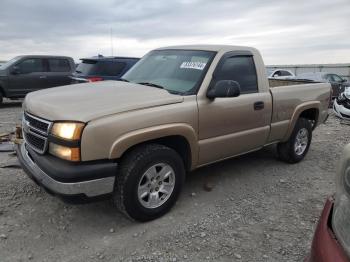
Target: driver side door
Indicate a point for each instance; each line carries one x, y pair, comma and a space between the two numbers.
26, 76
234, 125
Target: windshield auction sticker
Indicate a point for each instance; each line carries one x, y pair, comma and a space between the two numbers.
193, 65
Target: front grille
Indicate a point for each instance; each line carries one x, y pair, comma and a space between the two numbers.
40, 125
35, 132
35, 142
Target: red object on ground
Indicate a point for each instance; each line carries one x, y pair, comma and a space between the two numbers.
325, 247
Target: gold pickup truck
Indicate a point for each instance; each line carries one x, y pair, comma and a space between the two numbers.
177, 109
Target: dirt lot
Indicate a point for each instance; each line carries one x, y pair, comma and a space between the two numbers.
259, 209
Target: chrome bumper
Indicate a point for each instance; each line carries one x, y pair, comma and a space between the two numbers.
90, 188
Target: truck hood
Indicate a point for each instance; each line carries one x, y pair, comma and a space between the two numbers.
88, 101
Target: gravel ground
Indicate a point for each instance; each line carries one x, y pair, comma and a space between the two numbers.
259, 209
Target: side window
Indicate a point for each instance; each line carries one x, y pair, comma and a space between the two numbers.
59, 65
285, 73
242, 70
31, 65
277, 73
330, 78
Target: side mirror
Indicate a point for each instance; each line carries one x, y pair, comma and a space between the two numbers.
344, 80
15, 70
224, 88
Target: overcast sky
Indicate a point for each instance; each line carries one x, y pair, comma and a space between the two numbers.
286, 32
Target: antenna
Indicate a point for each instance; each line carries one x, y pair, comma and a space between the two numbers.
112, 41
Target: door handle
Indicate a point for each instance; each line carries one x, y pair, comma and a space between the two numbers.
42, 77
259, 105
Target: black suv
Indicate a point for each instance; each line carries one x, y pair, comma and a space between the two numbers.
24, 74
100, 68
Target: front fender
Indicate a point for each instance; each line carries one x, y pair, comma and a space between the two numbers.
130, 139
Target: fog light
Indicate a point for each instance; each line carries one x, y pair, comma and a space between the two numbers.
67, 153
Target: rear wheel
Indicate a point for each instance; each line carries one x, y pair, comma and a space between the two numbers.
295, 149
149, 182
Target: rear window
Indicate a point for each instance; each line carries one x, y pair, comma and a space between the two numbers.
101, 68
59, 65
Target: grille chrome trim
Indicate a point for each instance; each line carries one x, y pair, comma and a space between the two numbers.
48, 123
30, 130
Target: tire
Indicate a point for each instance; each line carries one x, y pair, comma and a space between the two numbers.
137, 168
1, 98
295, 149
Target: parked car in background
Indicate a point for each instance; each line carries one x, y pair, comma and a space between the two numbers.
331, 242
337, 82
100, 68
341, 105
279, 73
177, 109
24, 74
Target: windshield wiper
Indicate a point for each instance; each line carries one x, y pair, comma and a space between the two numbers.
123, 79
151, 84
160, 87
79, 72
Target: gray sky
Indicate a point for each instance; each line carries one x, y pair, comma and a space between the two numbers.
313, 31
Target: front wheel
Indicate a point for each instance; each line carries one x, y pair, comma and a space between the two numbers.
297, 146
149, 182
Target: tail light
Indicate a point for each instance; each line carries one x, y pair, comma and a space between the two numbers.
94, 79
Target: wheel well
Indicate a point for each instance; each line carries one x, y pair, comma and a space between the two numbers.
312, 115
2, 91
177, 143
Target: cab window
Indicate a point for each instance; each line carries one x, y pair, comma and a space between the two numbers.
240, 69
59, 65
31, 65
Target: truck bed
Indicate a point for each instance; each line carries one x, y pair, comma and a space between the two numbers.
287, 95
273, 82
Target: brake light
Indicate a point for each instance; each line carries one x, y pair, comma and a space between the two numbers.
94, 79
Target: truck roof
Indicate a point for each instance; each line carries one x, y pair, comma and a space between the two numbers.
217, 48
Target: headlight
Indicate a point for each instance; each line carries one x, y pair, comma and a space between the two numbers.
67, 153
67, 130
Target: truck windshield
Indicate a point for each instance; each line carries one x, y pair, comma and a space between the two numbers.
177, 71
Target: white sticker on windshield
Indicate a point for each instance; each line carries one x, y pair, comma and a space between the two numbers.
193, 65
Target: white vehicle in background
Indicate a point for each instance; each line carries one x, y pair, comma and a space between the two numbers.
279, 73
341, 105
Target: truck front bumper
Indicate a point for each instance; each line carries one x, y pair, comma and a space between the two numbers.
87, 180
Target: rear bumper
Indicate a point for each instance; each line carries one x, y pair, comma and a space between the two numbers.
325, 247
55, 180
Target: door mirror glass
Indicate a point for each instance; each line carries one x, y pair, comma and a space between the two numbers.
224, 88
